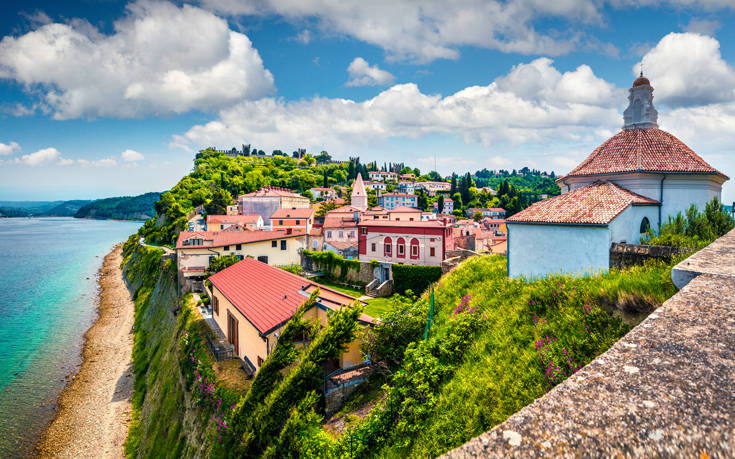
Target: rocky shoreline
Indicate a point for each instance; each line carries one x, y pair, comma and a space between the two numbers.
95, 408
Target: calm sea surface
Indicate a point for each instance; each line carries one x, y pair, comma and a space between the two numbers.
48, 294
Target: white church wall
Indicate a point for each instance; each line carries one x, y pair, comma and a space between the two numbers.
681, 191
540, 250
626, 226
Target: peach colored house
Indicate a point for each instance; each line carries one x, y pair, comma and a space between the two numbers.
252, 302
293, 219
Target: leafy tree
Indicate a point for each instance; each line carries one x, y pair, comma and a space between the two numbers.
478, 216
417, 172
422, 202
217, 264
434, 176
372, 198
221, 198
325, 207
323, 157
440, 205
308, 194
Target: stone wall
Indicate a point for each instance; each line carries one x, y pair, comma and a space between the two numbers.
625, 255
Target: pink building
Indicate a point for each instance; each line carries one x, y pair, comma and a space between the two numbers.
404, 242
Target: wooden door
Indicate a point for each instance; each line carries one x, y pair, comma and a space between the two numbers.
232, 332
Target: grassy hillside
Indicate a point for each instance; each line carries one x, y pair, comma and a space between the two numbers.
494, 346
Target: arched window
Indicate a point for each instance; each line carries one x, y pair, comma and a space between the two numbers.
414, 248
401, 248
387, 249
645, 225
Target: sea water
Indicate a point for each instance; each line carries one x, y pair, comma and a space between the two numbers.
48, 299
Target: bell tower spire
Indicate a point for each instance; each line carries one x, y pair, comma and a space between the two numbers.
640, 114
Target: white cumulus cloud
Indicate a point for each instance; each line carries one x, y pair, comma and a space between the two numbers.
105, 162
425, 31
161, 59
364, 74
516, 108
44, 157
9, 148
687, 69
130, 156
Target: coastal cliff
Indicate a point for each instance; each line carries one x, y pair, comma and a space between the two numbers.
165, 421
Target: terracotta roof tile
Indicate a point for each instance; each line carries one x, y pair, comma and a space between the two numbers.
273, 192
596, 204
268, 296
293, 213
222, 238
647, 150
233, 219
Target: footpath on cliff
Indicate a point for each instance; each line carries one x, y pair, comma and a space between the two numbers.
95, 408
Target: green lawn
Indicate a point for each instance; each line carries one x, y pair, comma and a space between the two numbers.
375, 307
378, 307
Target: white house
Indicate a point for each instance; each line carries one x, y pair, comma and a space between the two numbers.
636, 179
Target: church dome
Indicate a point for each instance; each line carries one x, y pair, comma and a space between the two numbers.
643, 150
640, 81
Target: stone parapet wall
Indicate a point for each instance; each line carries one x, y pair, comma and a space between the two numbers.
625, 255
666, 389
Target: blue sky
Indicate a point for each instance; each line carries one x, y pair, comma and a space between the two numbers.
103, 98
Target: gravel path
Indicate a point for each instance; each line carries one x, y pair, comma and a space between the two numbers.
95, 409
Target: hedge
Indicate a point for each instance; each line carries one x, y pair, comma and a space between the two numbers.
414, 278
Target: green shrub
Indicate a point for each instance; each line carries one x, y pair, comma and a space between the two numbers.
414, 277
693, 229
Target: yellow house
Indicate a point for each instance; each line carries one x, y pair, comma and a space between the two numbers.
194, 250
252, 302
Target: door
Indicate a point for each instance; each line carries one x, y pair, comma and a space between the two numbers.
232, 332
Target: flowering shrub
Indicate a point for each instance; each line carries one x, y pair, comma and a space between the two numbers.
199, 379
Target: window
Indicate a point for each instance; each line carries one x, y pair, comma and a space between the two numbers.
263, 259
227, 247
329, 235
280, 222
274, 243
401, 247
341, 234
414, 248
283, 245
352, 234
372, 246
387, 247
215, 304
363, 231
645, 225
260, 361
239, 257
432, 252
298, 222
238, 247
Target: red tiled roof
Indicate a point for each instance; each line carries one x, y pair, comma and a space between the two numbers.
596, 204
222, 238
646, 150
233, 219
293, 213
273, 192
405, 209
268, 296
339, 222
413, 224
342, 245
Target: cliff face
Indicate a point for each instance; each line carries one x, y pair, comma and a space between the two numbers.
165, 423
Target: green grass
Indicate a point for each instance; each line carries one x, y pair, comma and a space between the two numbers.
378, 306
375, 308
342, 288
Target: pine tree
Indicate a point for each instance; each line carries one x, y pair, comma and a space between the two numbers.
440, 205
453, 189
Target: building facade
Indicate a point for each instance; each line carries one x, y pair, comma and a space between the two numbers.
252, 302
411, 242
293, 219
390, 201
266, 201
194, 250
382, 176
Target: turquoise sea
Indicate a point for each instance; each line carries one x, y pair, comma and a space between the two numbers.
48, 295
